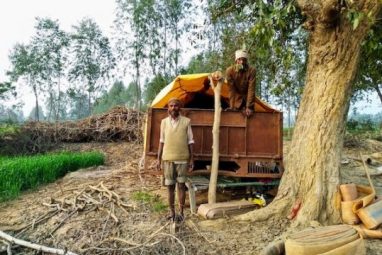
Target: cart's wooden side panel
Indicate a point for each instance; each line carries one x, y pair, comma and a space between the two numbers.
248, 142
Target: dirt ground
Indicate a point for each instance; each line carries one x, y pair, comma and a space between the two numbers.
92, 211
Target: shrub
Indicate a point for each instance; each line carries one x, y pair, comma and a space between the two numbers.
7, 129
355, 126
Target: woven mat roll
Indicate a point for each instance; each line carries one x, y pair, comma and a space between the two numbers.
367, 233
347, 214
371, 215
357, 247
348, 192
322, 240
368, 198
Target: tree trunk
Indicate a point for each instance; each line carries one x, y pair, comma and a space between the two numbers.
37, 114
376, 87
48, 118
217, 76
176, 50
89, 104
58, 106
289, 117
165, 49
137, 83
312, 164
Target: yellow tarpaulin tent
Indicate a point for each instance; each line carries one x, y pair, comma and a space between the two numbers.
184, 86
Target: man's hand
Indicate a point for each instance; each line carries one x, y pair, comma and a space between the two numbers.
190, 165
248, 112
159, 165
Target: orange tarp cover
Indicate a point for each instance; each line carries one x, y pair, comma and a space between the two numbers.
184, 85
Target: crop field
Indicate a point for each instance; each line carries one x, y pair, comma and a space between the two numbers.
28, 172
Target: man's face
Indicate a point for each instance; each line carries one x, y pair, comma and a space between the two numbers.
173, 109
241, 61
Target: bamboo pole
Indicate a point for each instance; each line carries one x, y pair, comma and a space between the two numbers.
217, 78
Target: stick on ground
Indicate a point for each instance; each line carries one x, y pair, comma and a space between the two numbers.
12, 240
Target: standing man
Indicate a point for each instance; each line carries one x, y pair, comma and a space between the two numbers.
175, 154
241, 79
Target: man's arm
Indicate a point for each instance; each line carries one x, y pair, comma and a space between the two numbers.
159, 158
191, 161
190, 138
232, 92
160, 147
251, 96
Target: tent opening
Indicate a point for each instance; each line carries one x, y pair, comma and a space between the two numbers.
204, 101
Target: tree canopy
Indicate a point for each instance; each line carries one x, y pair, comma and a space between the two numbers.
151, 39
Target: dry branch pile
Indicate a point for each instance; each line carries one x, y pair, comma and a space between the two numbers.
98, 220
119, 124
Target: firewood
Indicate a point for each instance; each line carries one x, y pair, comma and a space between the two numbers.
12, 240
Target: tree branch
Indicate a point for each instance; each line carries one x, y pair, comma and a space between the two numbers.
309, 8
34, 246
325, 12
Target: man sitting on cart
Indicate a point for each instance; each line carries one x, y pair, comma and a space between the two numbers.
241, 79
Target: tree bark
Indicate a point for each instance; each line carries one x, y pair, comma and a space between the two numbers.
312, 164
37, 114
215, 77
376, 87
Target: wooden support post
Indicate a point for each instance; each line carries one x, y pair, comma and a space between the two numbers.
217, 78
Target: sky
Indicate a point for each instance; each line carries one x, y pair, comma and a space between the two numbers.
18, 18
17, 21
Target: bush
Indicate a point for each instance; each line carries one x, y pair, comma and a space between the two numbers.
355, 126
28, 172
7, 129
14, 140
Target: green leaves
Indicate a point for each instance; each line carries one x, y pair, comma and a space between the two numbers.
5, 89
153, 87
276, 44
41, 62
369, 78
355, 17
149, 38
92, 59
51, 44
117, 95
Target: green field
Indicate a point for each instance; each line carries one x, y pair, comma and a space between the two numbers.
28, 172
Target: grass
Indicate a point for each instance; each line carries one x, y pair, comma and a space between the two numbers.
28, 172
156, 204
